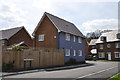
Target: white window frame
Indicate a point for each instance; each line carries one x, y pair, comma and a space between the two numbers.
41, 37
74, 38
67, 52
116, 55
108, 45
101, 55
67, 37
79, 40
80, 52
2, 42
74, 52
117, 45
101, 46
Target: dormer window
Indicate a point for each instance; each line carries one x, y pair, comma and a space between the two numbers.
118, 36
103, 38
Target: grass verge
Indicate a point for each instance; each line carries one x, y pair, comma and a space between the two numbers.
116, 77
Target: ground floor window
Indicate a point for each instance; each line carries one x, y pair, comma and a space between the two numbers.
101, 55
74, 52
117, 54
80, 52
67, 51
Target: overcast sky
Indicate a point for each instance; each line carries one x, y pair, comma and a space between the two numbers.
87, 16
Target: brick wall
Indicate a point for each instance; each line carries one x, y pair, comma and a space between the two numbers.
48, 29
20, 36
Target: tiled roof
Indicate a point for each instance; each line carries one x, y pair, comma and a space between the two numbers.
110, 36
93, 41
63, 25
6, 34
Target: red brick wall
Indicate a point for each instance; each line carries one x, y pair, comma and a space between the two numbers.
106, 49
20, 36
49, 30
86, 48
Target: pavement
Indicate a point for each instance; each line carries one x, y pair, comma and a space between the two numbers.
45, 69
97, 71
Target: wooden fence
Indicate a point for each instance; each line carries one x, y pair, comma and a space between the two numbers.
31, 58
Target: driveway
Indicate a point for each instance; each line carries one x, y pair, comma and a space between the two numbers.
100, 70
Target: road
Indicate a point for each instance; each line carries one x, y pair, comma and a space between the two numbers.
98, 70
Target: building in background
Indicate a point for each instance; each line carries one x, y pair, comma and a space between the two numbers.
18, 36
108, 46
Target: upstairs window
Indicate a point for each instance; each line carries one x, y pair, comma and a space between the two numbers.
101, 46
74, 38
80, 52
79, 40
117, 45
93, 47
41, 37
74, 52
67, 37
67, 51
2, 42
108, 45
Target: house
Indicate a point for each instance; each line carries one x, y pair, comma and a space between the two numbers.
57, 33
108, 46
92, 48
18, 36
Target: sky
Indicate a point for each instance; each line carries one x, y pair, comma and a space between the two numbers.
87, 15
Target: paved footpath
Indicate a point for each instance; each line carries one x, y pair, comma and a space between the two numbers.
98, 71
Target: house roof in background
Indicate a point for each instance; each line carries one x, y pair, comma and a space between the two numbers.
62, 25
110, 36
93, 41
6, 34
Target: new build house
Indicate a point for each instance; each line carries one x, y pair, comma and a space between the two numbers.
107, 46
54, 32
18, 36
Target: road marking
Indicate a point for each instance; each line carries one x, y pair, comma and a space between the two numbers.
96, 72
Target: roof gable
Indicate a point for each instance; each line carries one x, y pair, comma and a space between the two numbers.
6, 34
93, 41
61, 25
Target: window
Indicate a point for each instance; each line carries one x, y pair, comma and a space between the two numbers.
101, 46
117, 45
80, 52
41, 37
67, 52
79, 40
101, 55
74, 52
2, 42
93, 46
74, 38
67, 37
108, 45
117, 54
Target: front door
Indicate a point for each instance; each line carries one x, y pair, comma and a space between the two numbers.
109, 55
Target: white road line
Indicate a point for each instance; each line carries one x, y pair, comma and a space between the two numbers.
96, 72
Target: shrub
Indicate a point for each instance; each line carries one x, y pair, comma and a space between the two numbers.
7, 67
74, 62
18, 48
